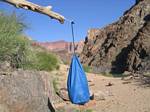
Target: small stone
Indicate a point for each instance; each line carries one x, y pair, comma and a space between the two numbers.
109, 84
99, 96
127, 73
5, 66
126, 82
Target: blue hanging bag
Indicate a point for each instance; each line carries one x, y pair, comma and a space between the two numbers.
77, 84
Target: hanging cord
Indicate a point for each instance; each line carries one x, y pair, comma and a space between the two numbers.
72, 23
72, 30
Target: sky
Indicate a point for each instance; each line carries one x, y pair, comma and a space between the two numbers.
86, 14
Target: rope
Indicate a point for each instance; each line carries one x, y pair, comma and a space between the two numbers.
72, 23
72, 30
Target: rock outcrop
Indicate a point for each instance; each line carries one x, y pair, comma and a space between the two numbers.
138, 57
120, 46
25, 91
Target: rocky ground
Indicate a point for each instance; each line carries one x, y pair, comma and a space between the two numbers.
111, 94
33, 91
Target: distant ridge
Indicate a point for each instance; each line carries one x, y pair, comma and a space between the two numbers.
62, 45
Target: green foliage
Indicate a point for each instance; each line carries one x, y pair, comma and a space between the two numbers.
46, 61
39, 59
17, 50
87, 68
13, 45
66, 63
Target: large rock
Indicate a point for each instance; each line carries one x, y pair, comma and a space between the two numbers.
138, 58
25, 91
109, 48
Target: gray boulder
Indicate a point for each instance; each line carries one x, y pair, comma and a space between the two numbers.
25, 91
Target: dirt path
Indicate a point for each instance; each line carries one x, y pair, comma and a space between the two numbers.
120, 96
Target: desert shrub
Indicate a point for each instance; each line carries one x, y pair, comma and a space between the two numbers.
17, 50
45, 61
13, 45
38, 58
87, 68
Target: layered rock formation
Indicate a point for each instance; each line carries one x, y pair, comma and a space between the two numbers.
122, 45
138, 57
62, 45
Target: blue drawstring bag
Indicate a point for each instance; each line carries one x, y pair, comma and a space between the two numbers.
77, 84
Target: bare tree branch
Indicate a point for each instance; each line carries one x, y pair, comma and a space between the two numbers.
36, 8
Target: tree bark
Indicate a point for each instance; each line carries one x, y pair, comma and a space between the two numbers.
36, 8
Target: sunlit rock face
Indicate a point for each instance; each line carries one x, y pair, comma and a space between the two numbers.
122, 45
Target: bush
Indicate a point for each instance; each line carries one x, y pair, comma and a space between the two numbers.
43, 61
87, 68
17, 50
13, 45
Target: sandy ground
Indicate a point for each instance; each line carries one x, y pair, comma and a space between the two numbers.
121, 96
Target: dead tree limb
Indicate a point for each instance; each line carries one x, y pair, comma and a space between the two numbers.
36, 8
